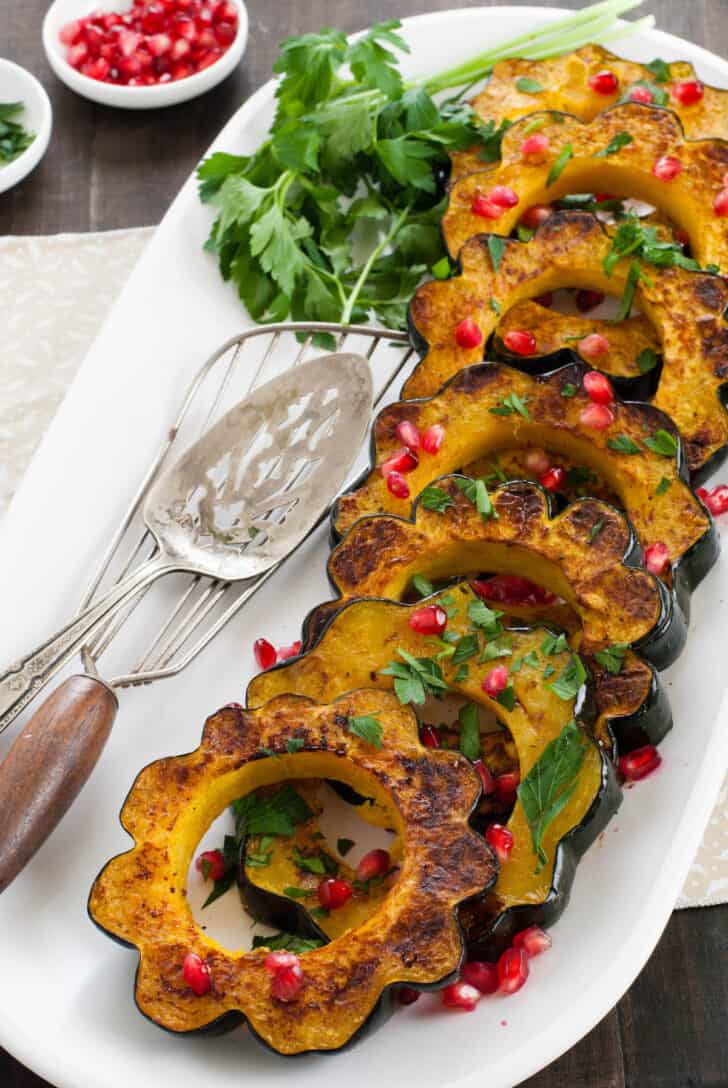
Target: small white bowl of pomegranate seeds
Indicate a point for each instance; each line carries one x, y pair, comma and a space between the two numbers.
144, 54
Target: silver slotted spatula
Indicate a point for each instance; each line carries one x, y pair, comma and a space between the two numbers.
231, 508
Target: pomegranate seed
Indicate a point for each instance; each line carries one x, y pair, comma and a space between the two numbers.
227, 13
279, 961
375, 863
129, 42
586, 300
181, 71
506, 786
504, 196
431, 619
720, 203
433, 438
537, 462
496, 681
158, 44
286, 984
598, 387
604, 82
397, 485
482, 975
688, 92
98, 69
333, 892
265, 653
407, 996
638, 764
533, 941
485, 208
602, 197
460, 995
546, 299
70, 33
225, 33
180, 49
408, 434
487, 781
641, 94
535, 144
536, 215
403, 460
468, 334
214, 862
667, 168
77, 54
716, 500
286, 652
593, 345
154, 19
553, 480
188, 30
430, 736
512, 970
196, 974
511, 588
501, 839
520, 342
657, 559
596, 416
682, 237
702, 493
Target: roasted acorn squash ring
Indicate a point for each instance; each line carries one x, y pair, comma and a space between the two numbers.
565, 83
686, 309
652, 488
377, 628
582, 555
140, 898
627, 171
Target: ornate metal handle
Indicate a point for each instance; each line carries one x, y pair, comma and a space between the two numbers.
22, 681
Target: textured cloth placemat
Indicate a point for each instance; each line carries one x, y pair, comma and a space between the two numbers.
56, 292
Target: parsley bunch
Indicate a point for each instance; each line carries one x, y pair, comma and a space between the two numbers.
335, 217
14, 139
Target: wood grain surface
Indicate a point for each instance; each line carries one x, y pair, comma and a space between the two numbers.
107, 169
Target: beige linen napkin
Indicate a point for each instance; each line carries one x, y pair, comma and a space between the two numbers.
57, 292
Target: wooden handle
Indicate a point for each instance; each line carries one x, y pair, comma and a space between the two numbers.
47, 766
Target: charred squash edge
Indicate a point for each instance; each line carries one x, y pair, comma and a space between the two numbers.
489, 935
686, 572
225, 743
704, 453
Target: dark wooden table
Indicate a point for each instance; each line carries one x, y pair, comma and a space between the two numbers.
109, 169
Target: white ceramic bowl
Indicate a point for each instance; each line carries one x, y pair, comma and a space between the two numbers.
17, 85
132, 98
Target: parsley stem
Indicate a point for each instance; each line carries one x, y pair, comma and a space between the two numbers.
373, 256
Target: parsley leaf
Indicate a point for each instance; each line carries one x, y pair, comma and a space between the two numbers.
550, 783
595, 530
529, 86
510, 404
662, 443
507, 697
435, 498
612, 658
663, 486
660, 70
646, 360
496, 248
423, 587
623, 444
276, 814
466, 647
568, 390
620, 140
287, 942
368, 729
469, 731
308, 864
554, 644
563, 157
567, 685
484, 617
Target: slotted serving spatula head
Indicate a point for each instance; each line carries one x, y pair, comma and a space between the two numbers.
257, 482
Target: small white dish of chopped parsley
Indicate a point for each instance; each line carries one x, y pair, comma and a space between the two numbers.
26, 120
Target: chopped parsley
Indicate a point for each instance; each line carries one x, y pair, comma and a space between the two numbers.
507, 697
563, 157
495, 306
620, 140
554, 644
646, 360
663, 485
659, 97
529, 86
595, 530
501, 646
435, 498
510, 404
623, 444
368, 729
469, 722
441, 269
476, 492
568, 684
415, 678
14, 138
568, 389
423, 587
466, 647
288, 942
662, 443
660, 70
496, 248
612, 658
274, 814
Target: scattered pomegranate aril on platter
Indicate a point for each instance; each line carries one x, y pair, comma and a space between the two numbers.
533, 941
406, 995
604, 82
496, 681
553, 480
397, 485
503, 196
596, 416
657, 559
120, 48
196, 974
375, 863
512, 970
511, 588
587, 300
537, 461
487, 781
333, 892
468, 333
688, 92
598, 386
279, 961
537, 214
720, 203
431, 619
501, 839
715, 500
266, 654
638, 764
535, 144
429, 736
506, 786
592, 347
286, 984
213, 863
641, 94
485, 208
408, 434
433, 438
520, 342
667, 168
482, 975
402, 461
460, 995
287, 652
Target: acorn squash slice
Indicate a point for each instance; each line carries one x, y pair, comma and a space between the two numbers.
379, 630
414, 938
582, 555
476, 408
564, 86
615, 153
686, 309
